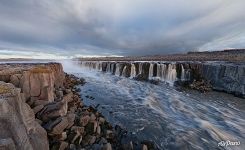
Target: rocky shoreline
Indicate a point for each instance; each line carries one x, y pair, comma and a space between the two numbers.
41, 108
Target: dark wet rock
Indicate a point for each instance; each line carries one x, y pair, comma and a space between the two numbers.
37, 109
53, 110
155, 81
60, 126
150, 145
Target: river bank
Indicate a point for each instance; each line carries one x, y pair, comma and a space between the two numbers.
41, 108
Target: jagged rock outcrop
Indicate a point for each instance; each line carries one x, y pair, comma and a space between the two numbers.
19, 129
227, 77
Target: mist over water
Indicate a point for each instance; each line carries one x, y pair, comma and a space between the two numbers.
172, 119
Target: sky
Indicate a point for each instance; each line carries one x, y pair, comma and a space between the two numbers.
80, 28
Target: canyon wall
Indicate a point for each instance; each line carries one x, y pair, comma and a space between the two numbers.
227, 77
22, 88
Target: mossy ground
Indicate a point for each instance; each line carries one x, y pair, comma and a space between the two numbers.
40, 69
4, 89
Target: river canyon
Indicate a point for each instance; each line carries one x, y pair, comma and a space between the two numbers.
171, 117
148, 99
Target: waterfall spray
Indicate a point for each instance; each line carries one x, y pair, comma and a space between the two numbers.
133, 71
151, 71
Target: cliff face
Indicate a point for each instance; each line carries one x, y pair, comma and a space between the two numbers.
19, 85
227, 77
37, 82
18, 127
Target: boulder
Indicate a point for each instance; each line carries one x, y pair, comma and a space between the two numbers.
71, 119
84, 120
60, 127
53, 110
68, 97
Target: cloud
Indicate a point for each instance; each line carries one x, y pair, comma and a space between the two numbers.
122, 27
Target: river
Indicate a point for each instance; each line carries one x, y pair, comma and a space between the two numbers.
171, 118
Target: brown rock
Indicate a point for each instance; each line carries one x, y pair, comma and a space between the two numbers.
78, 129
61, 126
62, 136
68, 91
71, 119
92, 117
92, 140
84, 120
53, 110
63, 145
68, 97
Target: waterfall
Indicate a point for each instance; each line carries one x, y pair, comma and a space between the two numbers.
133, 71
151, 71
108, 67
124, 71
140, 68
113, 68
163, 71
171, 73
117, 69
182, 73
159, 71
97, 65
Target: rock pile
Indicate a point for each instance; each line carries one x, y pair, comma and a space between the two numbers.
201, 85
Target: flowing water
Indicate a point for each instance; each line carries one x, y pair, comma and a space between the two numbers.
171, 118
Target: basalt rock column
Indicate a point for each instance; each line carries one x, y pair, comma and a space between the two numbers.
17, 122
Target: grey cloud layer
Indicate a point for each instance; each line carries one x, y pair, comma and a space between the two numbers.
121, 27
